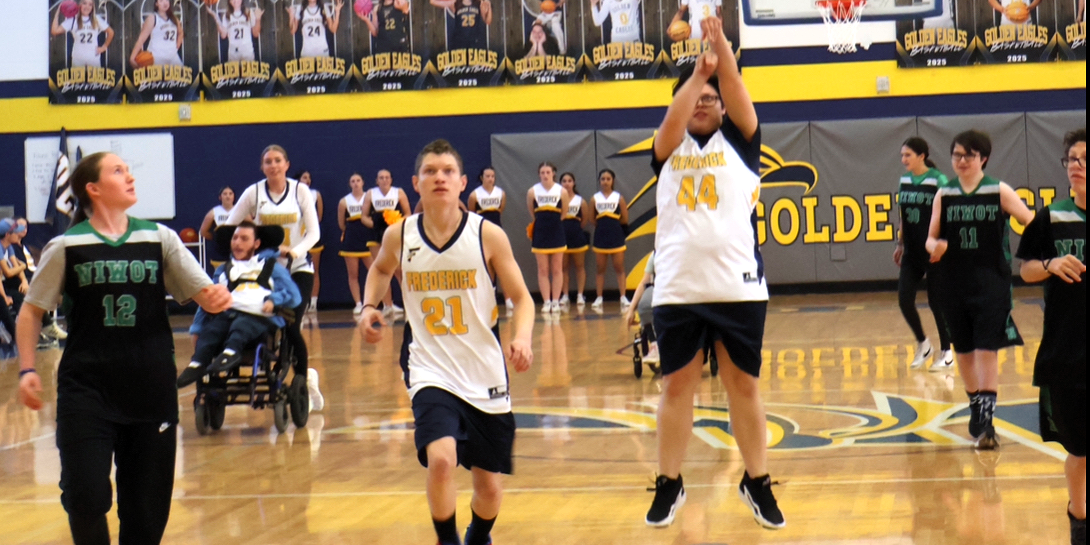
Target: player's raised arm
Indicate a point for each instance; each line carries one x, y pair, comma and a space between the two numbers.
674, 125
736, 97
502, 261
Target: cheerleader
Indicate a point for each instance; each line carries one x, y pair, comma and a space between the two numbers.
611, 215
354, 237
163, 34
376, 202
214, 218
575, 220
85, 28
546, 201
316, 251
488, 200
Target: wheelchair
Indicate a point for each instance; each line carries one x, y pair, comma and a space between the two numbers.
641, 343
261, 380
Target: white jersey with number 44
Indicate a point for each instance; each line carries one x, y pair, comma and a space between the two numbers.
706, 245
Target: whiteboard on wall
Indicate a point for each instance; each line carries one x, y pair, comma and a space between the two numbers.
150, 158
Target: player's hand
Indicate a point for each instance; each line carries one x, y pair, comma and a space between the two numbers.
285, 251
372, 325
214, 299
520, 356
898, 253
30, 388
339, 6
940, 249
712, 27
706, 64
630, 315
9, 300
256, 13
1067, 268
23, 287
268, 307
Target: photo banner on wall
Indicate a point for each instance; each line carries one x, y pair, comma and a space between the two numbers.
314, 46
1015, 31
86, 55
388, 42
944, 40
1071, 29
162, 39
682, 40
544, 41
623, 39
464, 39
238, 48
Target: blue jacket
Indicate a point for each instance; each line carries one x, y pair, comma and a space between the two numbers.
285, 293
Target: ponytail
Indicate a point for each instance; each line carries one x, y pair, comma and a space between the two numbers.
919, 146
86, 172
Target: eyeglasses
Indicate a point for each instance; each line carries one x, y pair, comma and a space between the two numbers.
959, 157
1080, 161
708, 100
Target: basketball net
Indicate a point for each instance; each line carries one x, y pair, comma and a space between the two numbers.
842, 21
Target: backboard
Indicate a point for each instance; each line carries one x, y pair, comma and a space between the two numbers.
788, 12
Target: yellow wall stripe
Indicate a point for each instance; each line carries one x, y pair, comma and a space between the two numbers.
766, 84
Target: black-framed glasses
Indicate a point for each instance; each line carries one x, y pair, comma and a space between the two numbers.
959, 157
1080, 161
708, 100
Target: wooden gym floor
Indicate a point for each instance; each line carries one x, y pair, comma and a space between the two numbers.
868, 451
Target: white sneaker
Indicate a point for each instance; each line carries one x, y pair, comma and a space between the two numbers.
358, 310
557, 307
946, 362
580, 300
564, 301
547, 307
313, 305
923, 353
597, 304
55, 331
624, 301
317, 400
652, 354
510, 305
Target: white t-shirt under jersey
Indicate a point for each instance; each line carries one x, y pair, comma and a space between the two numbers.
293, 210
698, 10
163, 43
708, 253
624, 19
312, 27
489, 201
450, 307
240, 37
85, 40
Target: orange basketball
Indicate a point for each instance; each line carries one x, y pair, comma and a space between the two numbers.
211, 3
530, 231
679, 30
188, 235
548, 6
144, 58
1018, 12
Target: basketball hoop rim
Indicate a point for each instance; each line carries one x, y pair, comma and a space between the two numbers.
839, 10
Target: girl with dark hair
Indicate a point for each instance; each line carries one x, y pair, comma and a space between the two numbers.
117, 403
488, 200
576, 218
969, 238
216, 217
611, 214
163, 34
316, 251
547, 202
354, 237
917, 194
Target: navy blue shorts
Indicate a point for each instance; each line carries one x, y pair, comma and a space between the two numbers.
486, 441
685, 330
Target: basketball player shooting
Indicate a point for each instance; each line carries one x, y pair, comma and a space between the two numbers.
454, 364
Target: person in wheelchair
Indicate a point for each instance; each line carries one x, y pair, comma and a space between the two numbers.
258, 285
642, 304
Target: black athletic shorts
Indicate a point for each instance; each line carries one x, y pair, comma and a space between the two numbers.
684, 330
981, 326
1063, 418
484, 440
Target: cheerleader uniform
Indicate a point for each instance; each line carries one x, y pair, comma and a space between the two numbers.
574, 234
357, 236
608, 233
488, 203
320, 245
379, 204
548, 229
